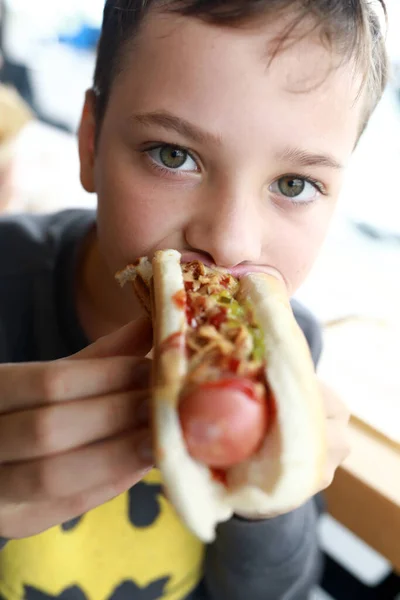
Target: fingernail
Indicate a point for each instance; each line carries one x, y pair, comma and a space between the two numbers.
145, 448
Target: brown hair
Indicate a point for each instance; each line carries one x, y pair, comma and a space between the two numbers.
352, 27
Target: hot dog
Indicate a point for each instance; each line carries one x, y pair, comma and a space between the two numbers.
214, 330
223, 422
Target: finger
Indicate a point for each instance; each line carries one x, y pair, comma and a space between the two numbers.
40, 384
339, 448
135, 339
74, 473
22, 520
334, 405
60, 428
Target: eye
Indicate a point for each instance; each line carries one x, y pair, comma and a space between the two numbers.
172, 158
301, 190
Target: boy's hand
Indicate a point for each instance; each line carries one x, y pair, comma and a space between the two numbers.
337, 432
74, 433
338, 435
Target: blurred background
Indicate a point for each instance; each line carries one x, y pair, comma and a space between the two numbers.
47, 53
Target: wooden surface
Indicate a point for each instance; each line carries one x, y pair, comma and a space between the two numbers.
365, 495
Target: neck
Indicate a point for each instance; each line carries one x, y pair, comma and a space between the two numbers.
103, 307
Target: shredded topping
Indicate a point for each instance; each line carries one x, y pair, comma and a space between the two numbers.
223, 337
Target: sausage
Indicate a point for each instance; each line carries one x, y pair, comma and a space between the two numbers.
223, 422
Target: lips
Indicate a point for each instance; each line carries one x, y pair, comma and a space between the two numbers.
239, 271
243, 270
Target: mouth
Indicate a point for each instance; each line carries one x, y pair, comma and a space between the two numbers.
239, 271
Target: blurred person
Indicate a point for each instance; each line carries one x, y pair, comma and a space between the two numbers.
14, 115
12, 73
18, 75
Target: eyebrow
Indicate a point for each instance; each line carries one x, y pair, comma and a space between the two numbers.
302, 158
170, 122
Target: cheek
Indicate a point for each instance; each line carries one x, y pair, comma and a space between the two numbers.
299, 241
134, 215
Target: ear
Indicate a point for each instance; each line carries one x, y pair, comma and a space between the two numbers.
87, 136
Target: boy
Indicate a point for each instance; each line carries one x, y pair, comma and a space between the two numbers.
215, 127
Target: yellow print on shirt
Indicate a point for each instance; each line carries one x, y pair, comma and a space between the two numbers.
132, 547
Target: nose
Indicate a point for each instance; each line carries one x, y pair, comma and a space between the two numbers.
229, 228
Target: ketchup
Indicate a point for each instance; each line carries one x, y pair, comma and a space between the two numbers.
219, 317
234, 364
175, 340
220, 476
245, 386
179, 299
189, 286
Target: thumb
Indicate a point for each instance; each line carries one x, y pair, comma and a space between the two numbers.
135, 339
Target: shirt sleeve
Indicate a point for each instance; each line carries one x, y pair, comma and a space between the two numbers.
278, 559
275, 559
311, 329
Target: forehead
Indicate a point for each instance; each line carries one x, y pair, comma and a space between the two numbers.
219, 75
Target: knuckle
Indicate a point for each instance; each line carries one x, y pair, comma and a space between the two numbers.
344, 445
52, 383
77, 506
43, 437
11, 526
11, 523
346, 451
113, 410
44, 483
328, 478
120, 411
5, 525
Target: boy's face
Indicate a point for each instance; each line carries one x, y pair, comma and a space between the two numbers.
206, 147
